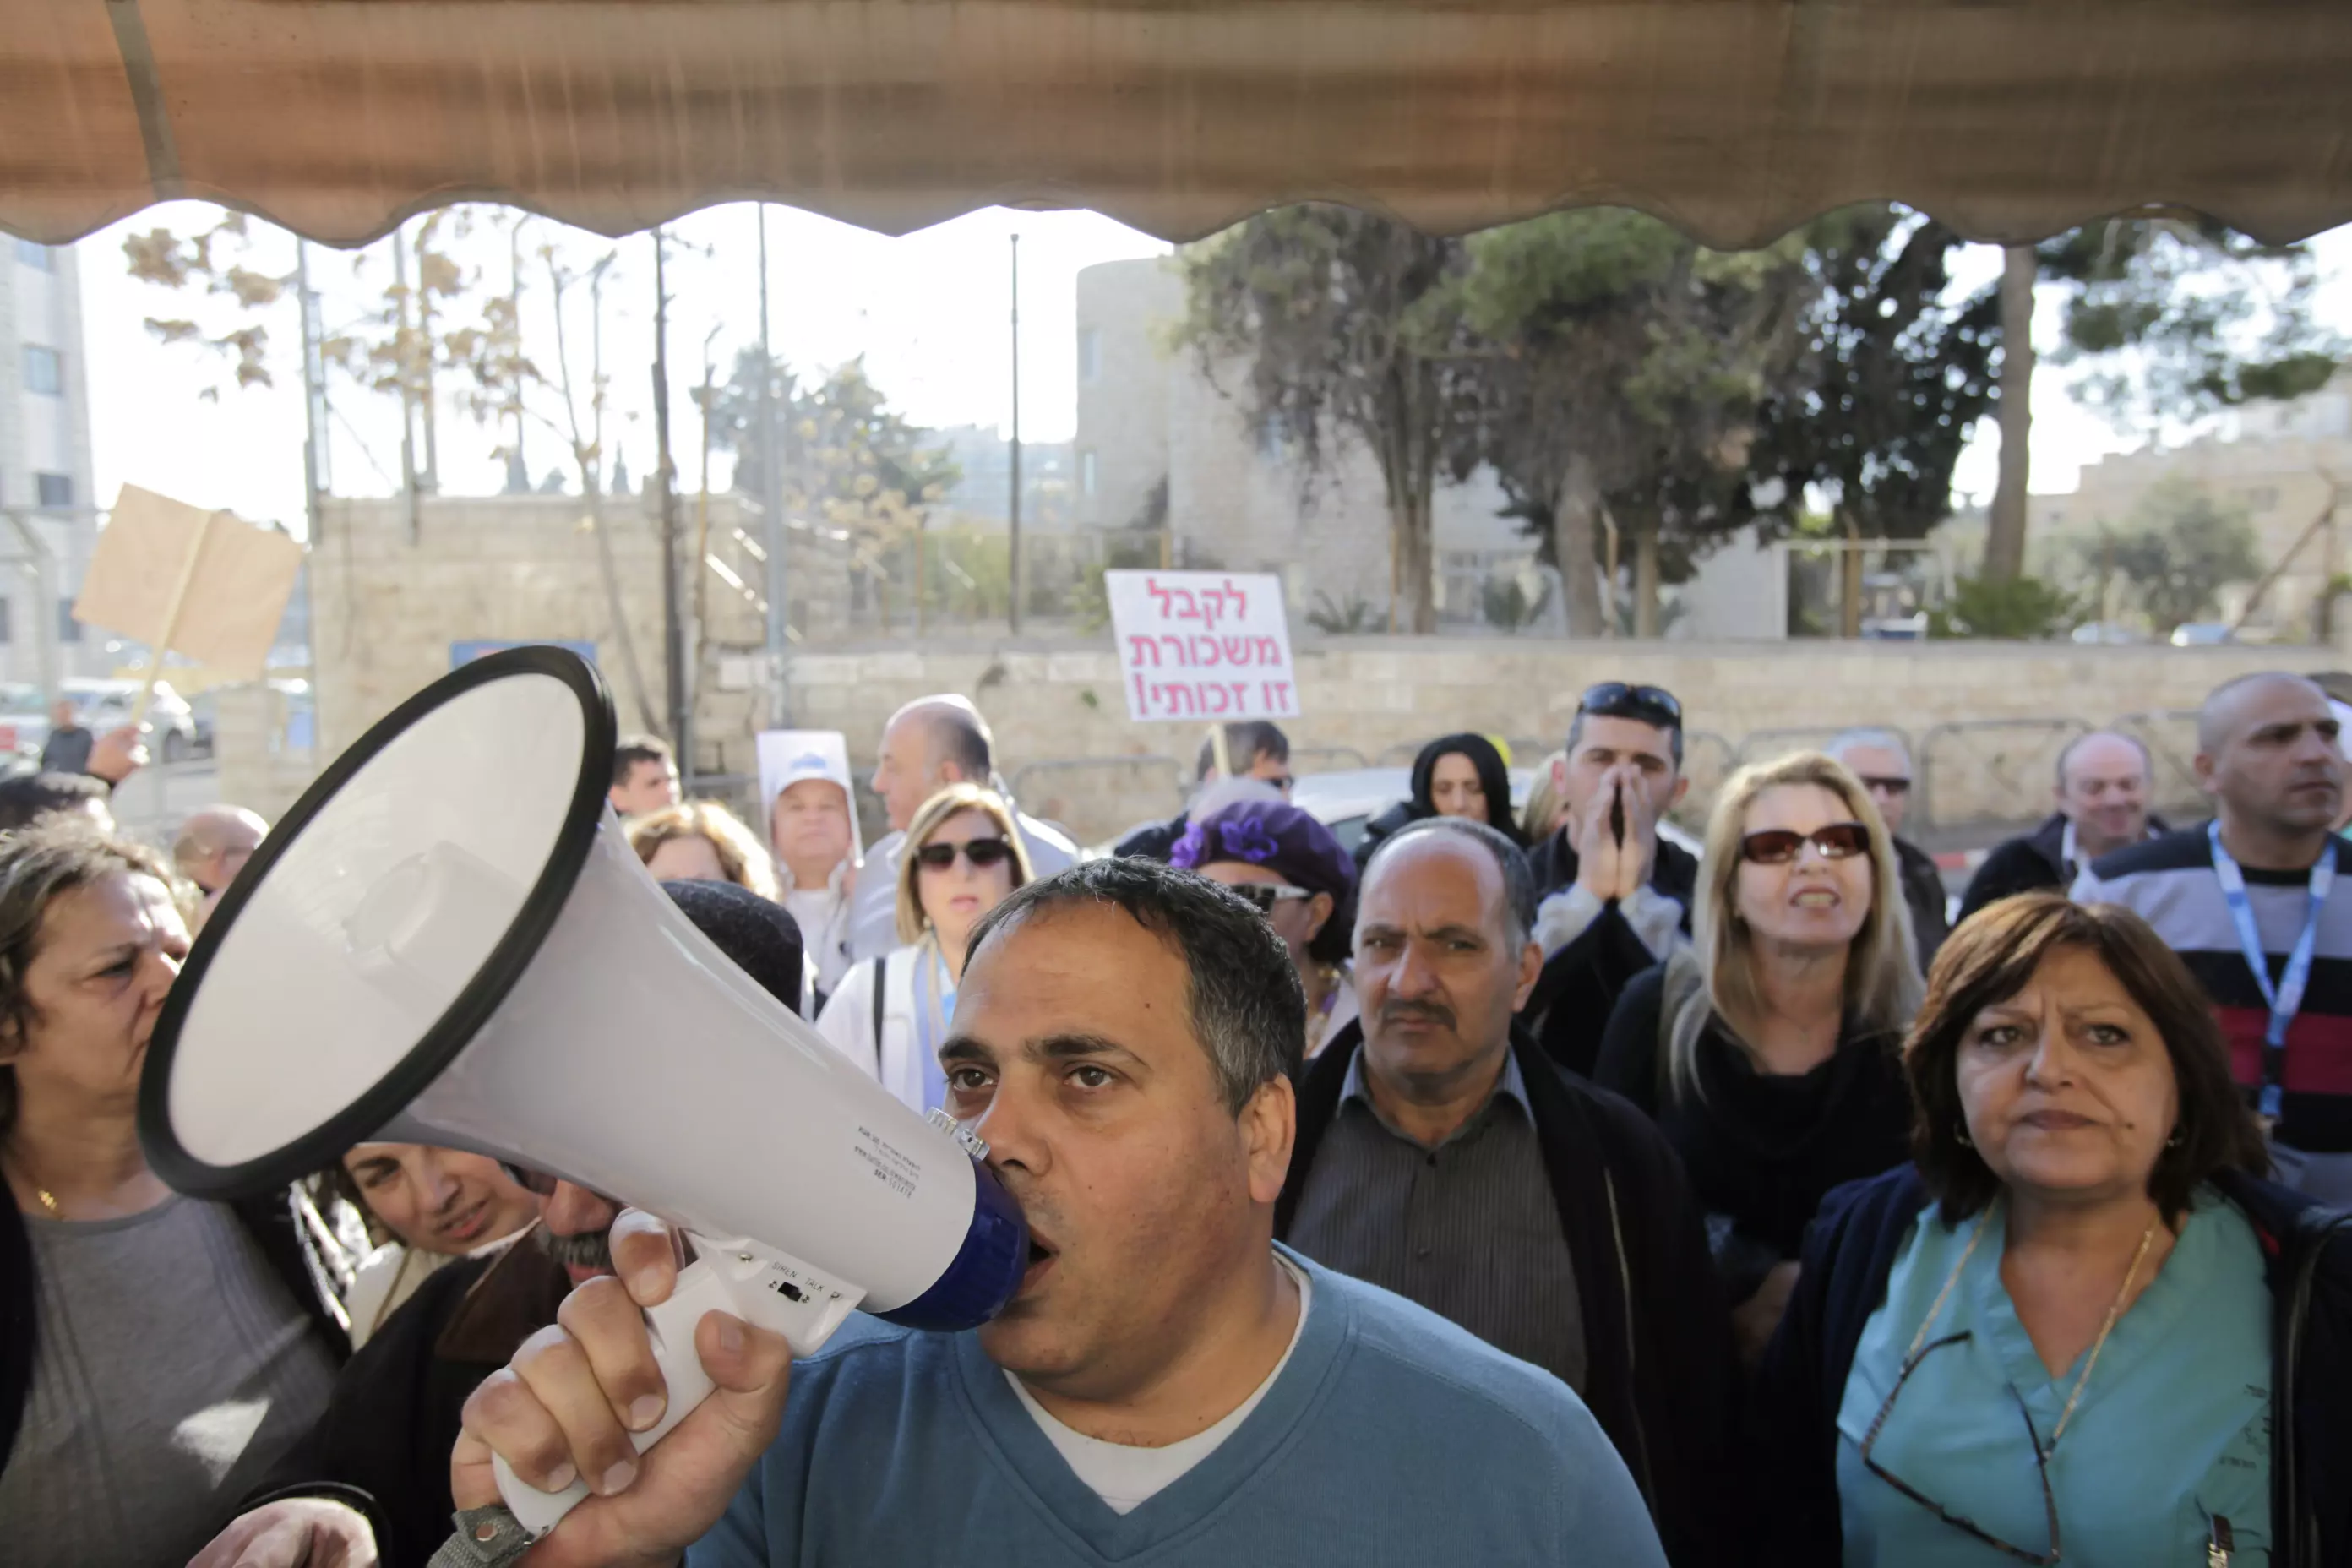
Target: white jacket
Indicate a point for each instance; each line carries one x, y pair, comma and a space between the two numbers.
847, 1023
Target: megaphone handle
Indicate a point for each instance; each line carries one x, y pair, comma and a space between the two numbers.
726, 1277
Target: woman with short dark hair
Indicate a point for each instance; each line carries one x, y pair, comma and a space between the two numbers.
2082, 1327
156, 1352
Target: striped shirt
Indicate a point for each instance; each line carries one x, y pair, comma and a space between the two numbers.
1468, 1229
2169, 882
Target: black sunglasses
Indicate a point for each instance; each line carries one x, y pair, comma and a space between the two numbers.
1653, 705
1778, 845
1266, 896
1961, 1521
1884, 786
983, 853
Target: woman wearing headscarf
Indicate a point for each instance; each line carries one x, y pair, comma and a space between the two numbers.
1288, 865
1456, 775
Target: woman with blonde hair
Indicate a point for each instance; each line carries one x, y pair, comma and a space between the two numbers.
890, 1014
1767, 1050
702, 841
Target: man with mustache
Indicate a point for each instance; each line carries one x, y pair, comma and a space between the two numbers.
371, 1481
1168, 1386
2249, 902
1443, 1155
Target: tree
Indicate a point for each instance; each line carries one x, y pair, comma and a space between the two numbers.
1345, 325
1621, 369
846, 454
2182, 317
1893, 376
2180, 549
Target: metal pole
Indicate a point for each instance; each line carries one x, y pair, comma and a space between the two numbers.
771, 501
1014, 503
673, 625
407, 372
316, 479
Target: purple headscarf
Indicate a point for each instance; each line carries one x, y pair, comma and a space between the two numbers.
1276, 835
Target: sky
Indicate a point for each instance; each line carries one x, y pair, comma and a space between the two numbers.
930, 311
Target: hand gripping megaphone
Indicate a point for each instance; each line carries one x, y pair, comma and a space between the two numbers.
449, 941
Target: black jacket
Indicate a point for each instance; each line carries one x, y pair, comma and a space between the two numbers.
1154, 840
1848, 1259
1580, 983
2027, 864
1660, 1376
383, 1447
1922, 891
270, 1222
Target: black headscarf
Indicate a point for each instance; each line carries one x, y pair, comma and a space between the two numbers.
1493, 778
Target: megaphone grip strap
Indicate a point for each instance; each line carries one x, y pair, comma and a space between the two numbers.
489, 1537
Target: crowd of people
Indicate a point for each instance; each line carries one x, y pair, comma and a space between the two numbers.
1512, 1185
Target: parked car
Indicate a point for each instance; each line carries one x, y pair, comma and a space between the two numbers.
23, 722
2106, 634
104, 705
2202, 634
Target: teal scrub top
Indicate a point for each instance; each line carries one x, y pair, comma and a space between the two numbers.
2172, 1429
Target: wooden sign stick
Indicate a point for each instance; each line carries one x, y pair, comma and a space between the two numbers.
170, 624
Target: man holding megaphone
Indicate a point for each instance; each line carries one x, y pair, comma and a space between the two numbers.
1126, 1038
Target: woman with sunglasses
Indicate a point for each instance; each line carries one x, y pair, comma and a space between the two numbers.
1289, 864
1766, 1050
891, 1013
2081, 1329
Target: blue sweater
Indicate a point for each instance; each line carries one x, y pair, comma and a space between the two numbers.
1392, 1437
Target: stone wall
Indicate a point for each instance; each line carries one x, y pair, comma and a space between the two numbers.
391, 597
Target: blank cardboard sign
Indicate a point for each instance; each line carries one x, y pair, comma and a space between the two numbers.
235, 598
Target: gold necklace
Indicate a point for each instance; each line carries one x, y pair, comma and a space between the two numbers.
2115, 1310
48, 1199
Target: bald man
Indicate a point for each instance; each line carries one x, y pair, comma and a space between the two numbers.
2238, 900
930, 744
2103, 784
215, 844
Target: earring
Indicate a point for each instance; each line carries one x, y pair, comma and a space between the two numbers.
2174, 1141
1961, 1138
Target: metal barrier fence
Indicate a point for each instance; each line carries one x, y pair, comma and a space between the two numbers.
1972, 779
2171, 736
1988, 773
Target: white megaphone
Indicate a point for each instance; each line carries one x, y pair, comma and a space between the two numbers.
449, 941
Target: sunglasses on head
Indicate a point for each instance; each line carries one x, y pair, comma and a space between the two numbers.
1266, 897
983, 853
1652, 705
1778, 845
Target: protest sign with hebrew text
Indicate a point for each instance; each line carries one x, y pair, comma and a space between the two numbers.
1203, 645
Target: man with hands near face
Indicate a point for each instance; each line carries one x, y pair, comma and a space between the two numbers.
1168, 1383
1616, 898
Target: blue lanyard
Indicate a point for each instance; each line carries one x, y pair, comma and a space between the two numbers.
2286, 998
931, 979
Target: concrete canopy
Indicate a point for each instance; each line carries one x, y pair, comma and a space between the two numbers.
1734, 119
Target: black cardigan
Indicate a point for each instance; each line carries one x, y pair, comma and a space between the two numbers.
1848, 1259
1661, 1371
269, 1220
383, 1446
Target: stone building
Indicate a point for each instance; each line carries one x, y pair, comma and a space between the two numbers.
396, 600
2274, 461
46, 483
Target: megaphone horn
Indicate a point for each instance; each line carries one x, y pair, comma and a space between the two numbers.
449, 941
